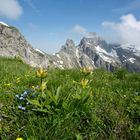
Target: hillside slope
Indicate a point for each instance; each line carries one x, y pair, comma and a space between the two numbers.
74, 103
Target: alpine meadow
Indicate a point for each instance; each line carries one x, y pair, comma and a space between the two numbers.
69, 69
39, 104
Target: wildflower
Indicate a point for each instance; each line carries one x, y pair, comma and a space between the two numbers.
41, 73
84, 83
27, 103
21, 98
17, 96
33, 87
37, 87
86, 71
24, 95
137, 94
124, 96
25, 92
7, 85
19, 139
21, 107
18, 80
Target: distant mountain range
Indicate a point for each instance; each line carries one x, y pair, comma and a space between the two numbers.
93, 52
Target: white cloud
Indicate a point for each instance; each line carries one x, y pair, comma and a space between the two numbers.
125, 31
80, 30
10, 9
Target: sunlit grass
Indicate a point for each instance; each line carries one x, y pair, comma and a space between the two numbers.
39, 104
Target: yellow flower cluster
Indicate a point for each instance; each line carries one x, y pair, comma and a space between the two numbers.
41, 73
8, 85
84, 83
19, 139
86, 71
18, 80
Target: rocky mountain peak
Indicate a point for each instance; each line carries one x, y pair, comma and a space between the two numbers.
13, 44
69, 46
92, 40
70, 43
93, 52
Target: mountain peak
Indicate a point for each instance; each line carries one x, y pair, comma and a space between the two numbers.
92, 52
69, 43
92, 39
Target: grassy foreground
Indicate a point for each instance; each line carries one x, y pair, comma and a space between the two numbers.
67, 104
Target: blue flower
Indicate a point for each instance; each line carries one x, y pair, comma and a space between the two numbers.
25, 92
21, 107
137, 93
21, 98
17, 95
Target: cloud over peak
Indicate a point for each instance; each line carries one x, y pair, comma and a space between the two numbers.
10, 9
80, 30
125, 31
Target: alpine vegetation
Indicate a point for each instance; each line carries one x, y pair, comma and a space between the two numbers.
67, 104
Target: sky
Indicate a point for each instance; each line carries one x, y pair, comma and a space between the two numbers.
47, 24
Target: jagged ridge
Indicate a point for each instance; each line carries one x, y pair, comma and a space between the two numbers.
93, 52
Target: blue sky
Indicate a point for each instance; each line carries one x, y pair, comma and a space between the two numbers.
46, 24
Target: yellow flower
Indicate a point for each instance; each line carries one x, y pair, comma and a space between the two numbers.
8, 85
17, 80
41, 73
86, 71
19, 139
84, 83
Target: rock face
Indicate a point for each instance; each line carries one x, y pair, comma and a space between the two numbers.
93, 52
13, 44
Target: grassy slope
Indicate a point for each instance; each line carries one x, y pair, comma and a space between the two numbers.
108, 108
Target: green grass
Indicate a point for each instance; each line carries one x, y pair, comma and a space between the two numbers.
107, 107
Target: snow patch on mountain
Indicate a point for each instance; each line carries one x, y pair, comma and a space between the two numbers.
105, 58
58, 56
100, 50
124, 56
77, 53
105, 55
61, 62
137, 53
40, 51
4, 24
113, 53
132, 60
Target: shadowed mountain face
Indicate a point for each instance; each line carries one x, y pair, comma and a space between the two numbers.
93, 52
